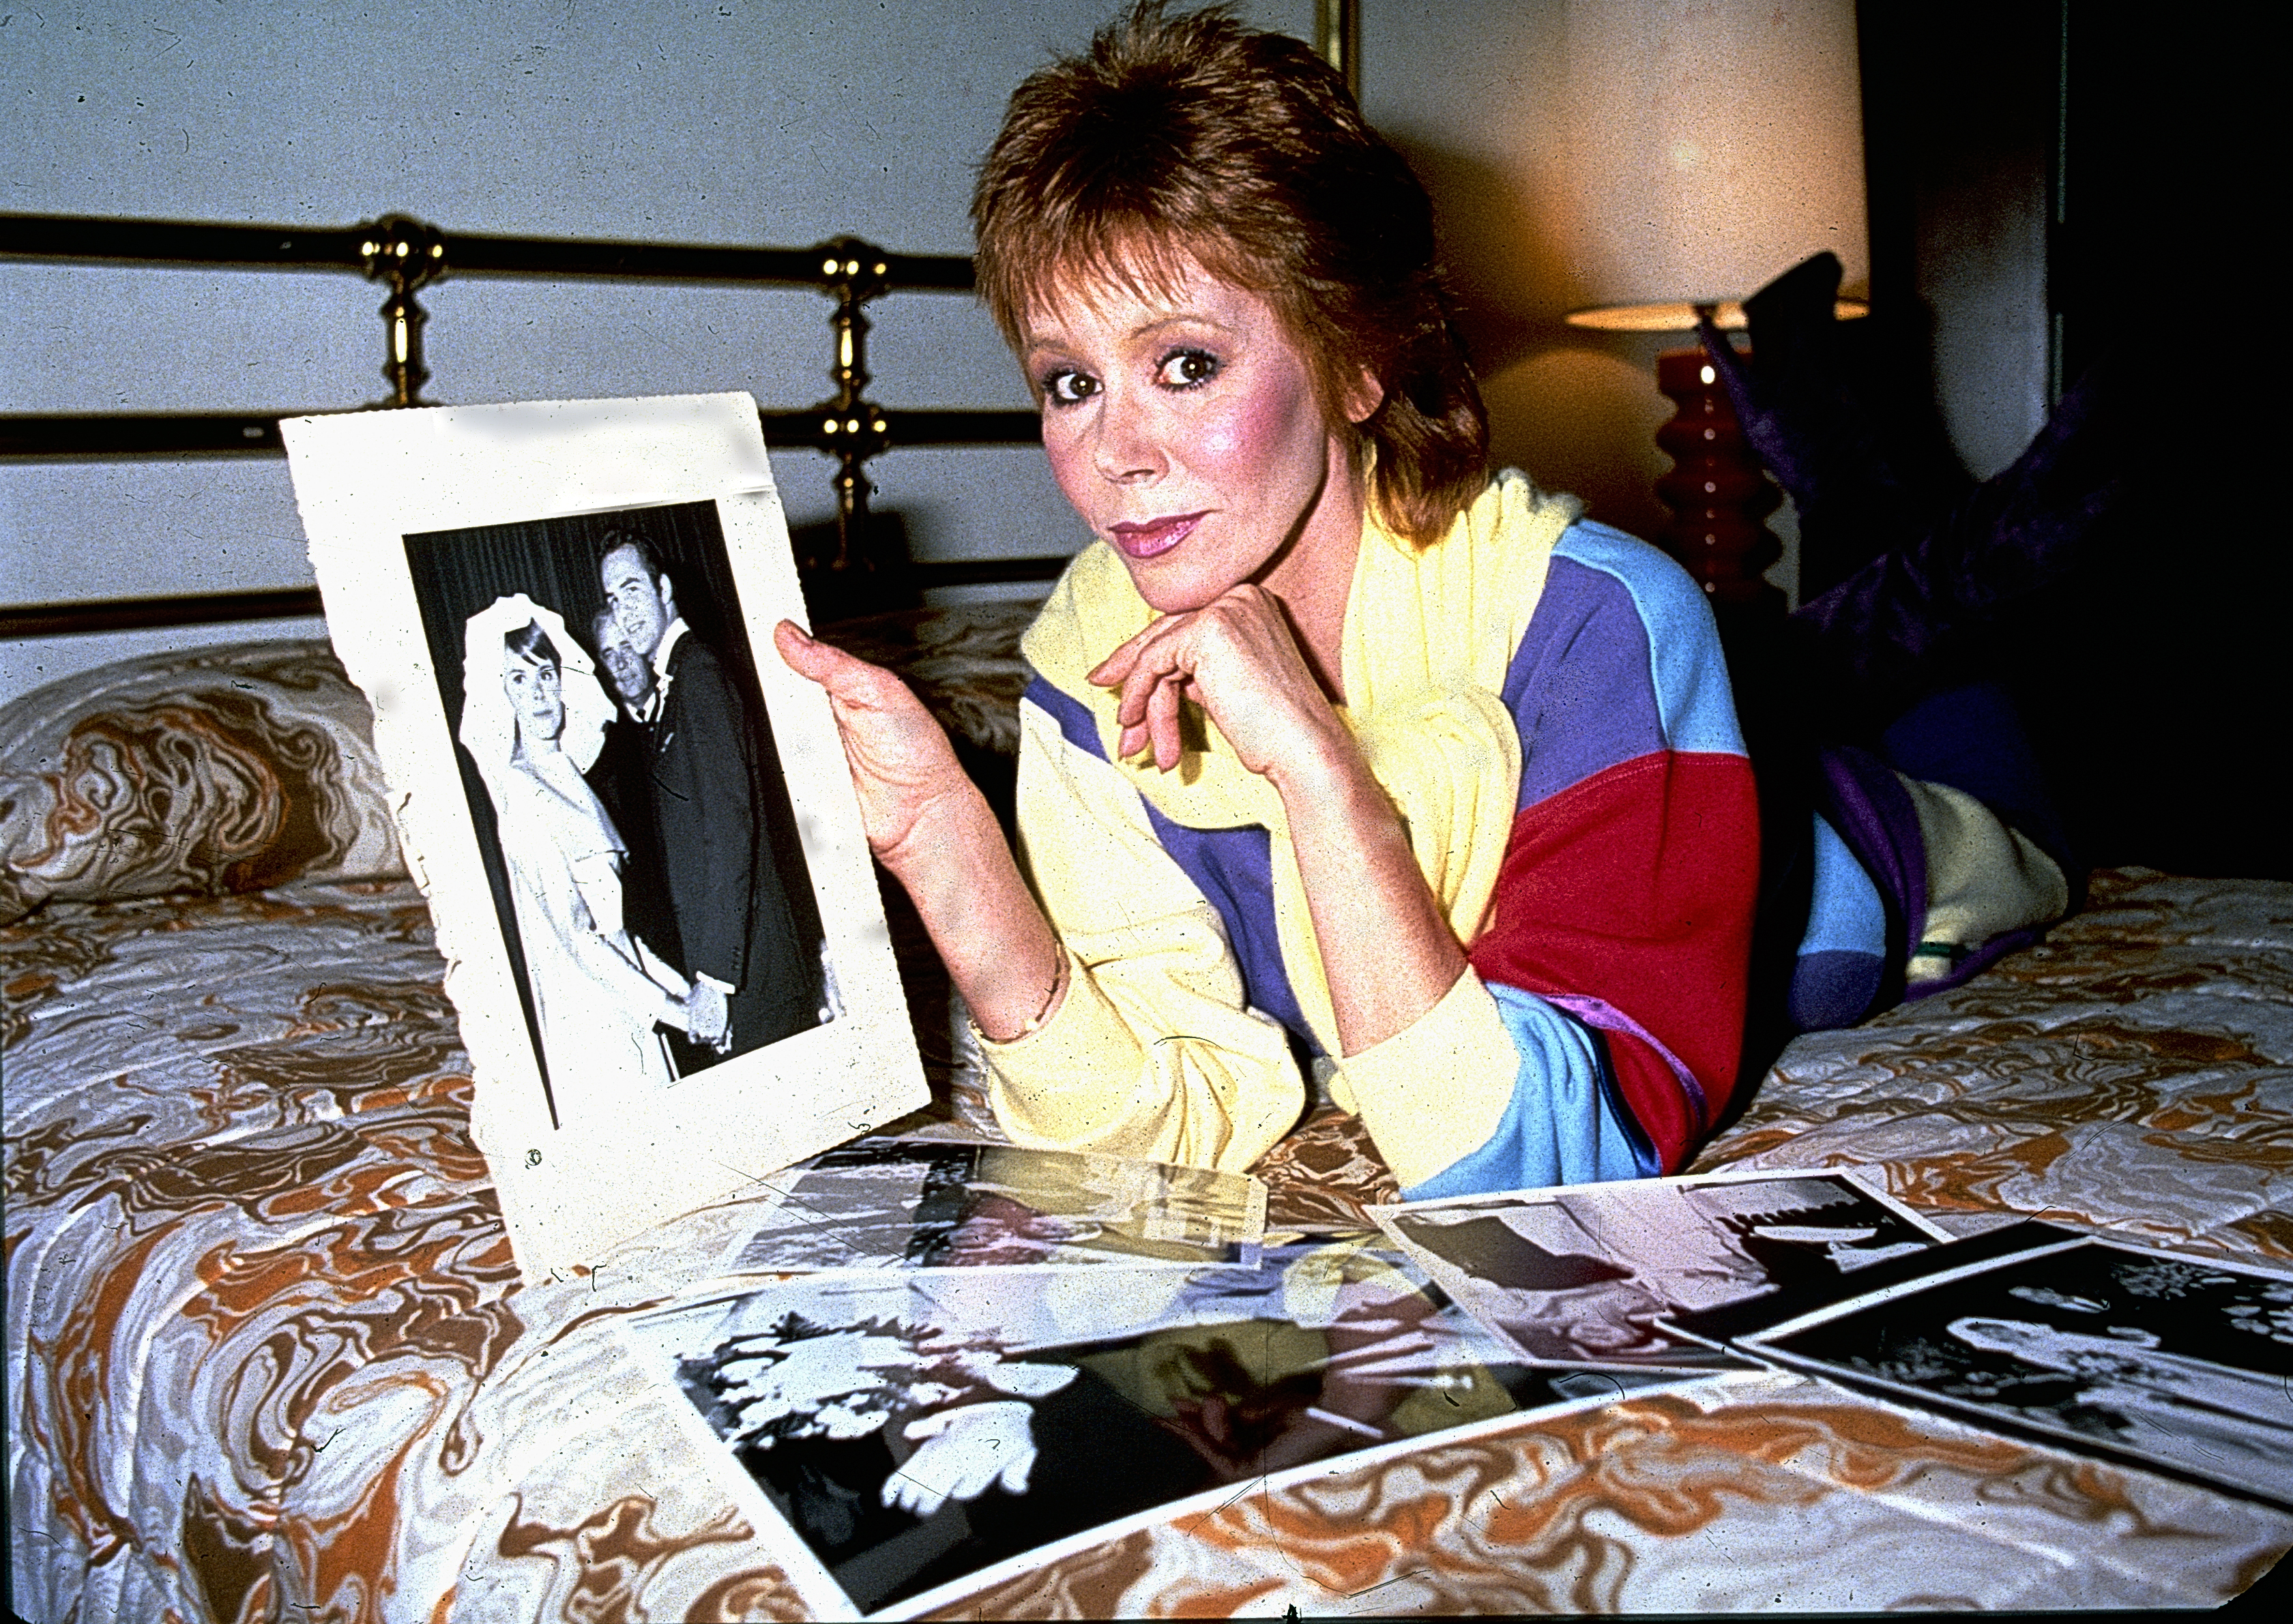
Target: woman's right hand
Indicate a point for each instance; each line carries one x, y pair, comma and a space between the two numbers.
901, 760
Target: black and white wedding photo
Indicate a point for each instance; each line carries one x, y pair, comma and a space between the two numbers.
628, 795
2180, 1362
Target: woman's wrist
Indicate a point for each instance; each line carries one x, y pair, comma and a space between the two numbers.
1052, 1000
1326, 776
953, 821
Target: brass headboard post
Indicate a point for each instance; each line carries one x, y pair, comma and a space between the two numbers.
409, 254
1337, 36
852, 426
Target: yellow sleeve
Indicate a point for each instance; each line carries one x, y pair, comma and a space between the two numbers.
1152, 1053
1436, 1090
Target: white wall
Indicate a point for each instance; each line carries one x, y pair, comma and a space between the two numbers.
725, 121
732, 121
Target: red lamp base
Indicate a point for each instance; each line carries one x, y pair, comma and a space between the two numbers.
1719, 495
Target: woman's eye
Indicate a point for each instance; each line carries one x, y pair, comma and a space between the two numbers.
1186, 368
1068, 387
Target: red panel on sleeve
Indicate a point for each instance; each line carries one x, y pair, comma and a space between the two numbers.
1636, 886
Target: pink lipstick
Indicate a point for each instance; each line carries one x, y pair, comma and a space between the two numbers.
1154, 536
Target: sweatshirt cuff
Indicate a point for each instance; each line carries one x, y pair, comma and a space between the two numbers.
1435, 1091
1070, 1077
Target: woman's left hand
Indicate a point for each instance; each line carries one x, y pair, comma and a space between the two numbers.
1386, 946
1238, 657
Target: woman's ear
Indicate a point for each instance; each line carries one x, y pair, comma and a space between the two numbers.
1363, 399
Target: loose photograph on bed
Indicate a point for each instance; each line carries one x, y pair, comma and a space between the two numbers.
916, 1431
930, 1204
2179, 1362
627, 793
1588, 1275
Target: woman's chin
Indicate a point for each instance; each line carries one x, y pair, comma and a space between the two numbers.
1172, 589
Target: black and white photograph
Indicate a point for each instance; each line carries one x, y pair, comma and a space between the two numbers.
1584, 1276
627, 795
916, 1203
2169, 1362
916, 1429
633, 824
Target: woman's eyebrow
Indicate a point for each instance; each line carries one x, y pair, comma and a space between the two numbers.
1188, 319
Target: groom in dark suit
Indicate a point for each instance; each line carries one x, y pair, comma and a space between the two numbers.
755, 981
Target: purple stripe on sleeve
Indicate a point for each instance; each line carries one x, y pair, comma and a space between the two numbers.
1232, 867
1580, 686
1604, 1016
1073, 716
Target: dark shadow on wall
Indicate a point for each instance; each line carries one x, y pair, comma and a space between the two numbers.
1576, 410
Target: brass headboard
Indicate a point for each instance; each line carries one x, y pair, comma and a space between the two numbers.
406, 256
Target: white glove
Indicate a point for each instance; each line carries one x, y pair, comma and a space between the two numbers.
964, 1451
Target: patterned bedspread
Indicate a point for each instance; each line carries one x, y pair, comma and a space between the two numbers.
267, 1357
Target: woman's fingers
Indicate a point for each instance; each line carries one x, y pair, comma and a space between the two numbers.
899, 757
1238, 657
849, 678
1163, 720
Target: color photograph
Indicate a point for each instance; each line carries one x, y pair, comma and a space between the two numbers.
914, 1203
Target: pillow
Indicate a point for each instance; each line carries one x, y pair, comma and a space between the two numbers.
232, 767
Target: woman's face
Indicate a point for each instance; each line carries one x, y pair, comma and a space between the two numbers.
1188, 435
536, 696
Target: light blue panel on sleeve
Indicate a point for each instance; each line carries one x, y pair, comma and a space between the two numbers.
1687, 670
1563, 1124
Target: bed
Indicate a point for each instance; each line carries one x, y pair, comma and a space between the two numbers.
269, 1357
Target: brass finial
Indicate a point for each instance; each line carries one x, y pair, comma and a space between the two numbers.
407, 255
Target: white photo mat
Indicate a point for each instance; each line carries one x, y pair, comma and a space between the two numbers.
365, 482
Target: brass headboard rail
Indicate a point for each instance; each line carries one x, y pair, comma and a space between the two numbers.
407, 254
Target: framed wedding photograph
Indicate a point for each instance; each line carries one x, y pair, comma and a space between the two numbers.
633, 822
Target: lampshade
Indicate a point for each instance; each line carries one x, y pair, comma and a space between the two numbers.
1708, 147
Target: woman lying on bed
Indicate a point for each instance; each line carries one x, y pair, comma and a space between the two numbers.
1338, 753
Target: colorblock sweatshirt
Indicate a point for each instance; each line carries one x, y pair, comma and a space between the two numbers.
1545, 702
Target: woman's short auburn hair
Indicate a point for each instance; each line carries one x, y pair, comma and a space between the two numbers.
1192, 139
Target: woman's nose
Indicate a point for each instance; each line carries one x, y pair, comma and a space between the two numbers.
1126, 447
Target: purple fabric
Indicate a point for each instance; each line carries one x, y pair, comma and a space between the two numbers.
1233, 868
1074, 719
1580, 685
1971, 739
1888, 622
1833, 989
1606, 1017
1868, 805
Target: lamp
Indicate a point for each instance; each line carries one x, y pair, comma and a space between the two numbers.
1710, 145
